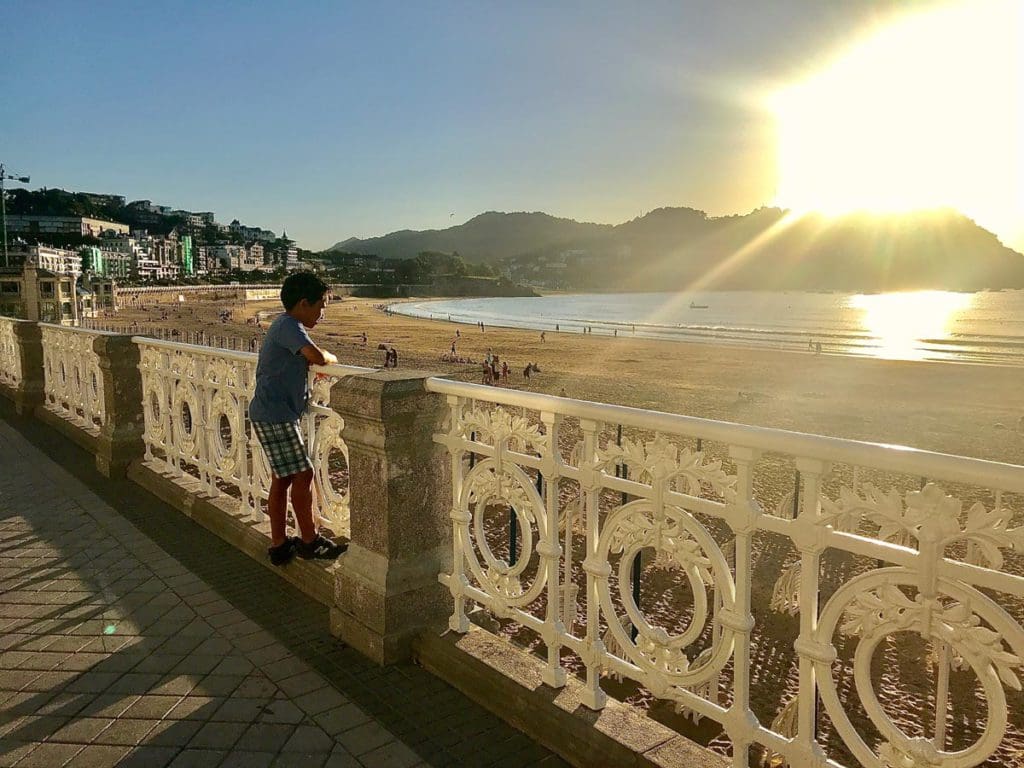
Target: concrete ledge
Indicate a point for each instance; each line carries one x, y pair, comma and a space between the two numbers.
507, 681
71, 431
222, 517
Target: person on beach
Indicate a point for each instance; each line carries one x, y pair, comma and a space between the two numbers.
542, 336
527, 370
393, 355
504, 371
279, 401
488, 378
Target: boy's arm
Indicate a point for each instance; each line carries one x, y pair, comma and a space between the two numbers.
316, 356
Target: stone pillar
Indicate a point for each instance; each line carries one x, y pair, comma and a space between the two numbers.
386, 587
29, 392
120, 438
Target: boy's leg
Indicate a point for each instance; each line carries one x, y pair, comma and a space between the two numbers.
302, 503
277, 506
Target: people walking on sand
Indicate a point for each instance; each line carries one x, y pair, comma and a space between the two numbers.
394, 357
817, 347
453, 349
810, 345
556, 328
494, 369
504, 371
542, 336
527, 370
488, 376
279, 400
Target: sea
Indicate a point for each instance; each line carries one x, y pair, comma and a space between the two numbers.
984, 327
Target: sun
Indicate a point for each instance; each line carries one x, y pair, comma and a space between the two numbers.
926, 113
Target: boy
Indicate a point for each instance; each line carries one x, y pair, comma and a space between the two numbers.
278, 403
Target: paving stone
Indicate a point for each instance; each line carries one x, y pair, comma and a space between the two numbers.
173, 733
237, 759
126, 731
218, 735
299, 685
152, 706
49, 755
391, 755
218, 685
364, 738
198, 758
256, 686
147, 756
195, 708
241, 710
81, 730
310, 739
300, 759
341, 758
282, 711
12, 752
265, 737
98, 756
343, 718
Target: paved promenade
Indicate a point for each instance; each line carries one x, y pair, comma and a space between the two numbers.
130, 636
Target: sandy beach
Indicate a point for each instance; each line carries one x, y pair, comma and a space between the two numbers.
971, 410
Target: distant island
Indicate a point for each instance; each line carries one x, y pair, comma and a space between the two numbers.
684, 248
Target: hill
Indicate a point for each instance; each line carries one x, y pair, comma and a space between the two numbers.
674, 248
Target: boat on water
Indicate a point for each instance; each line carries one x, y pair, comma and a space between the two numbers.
695, 305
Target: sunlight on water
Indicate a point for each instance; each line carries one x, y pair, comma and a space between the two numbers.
901, 322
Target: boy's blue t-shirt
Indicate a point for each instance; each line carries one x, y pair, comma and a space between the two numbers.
281, 373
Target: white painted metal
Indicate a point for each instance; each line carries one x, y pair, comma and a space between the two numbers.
195, 405
926, 581
73, 383
10, 359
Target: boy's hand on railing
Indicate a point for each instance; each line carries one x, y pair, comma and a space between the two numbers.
330, 358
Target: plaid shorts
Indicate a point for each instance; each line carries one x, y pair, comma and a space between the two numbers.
284, 447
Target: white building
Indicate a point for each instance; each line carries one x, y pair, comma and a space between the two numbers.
30, 223
57, 260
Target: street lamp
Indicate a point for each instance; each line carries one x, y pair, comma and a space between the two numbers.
3, 203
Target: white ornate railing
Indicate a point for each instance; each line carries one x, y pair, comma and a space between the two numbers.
195, 405
746, 575
10, 358
73, 383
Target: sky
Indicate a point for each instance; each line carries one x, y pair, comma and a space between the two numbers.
334, 119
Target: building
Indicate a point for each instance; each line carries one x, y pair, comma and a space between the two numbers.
58, 260
37, 224
39, 295
114, 201
253, 257
229, 256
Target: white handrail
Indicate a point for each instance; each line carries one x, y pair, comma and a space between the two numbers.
897, 458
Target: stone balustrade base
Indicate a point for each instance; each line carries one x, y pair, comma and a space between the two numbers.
507, 681
223, 517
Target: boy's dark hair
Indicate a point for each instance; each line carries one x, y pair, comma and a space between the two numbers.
302, 285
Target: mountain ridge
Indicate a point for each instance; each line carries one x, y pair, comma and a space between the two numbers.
676, 247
